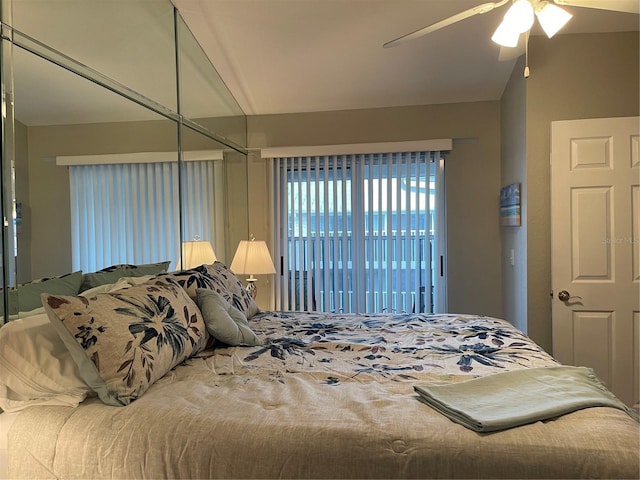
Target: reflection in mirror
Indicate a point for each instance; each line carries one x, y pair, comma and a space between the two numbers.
7, 234
214, 194
68, 129
203, 192
112, 128
111, 37
204, 97
236, 166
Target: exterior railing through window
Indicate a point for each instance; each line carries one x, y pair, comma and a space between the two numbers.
394, 290
357, 233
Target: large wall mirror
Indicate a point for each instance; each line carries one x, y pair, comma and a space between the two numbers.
204, 98
110, 155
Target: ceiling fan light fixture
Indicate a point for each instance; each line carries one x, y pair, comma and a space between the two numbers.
552, 18
520, 16
506, 36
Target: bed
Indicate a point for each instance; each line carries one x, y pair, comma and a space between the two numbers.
306, 395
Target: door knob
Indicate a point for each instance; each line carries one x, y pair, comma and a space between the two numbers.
566, 296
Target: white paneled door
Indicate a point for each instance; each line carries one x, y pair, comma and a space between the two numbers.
595, 236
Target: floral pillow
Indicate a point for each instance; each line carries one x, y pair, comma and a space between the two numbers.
190, 280
220, 279
235, 292
126, 340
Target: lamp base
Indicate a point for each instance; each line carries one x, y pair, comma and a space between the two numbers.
251, 287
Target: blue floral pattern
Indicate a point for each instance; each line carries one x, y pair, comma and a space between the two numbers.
220, 279
125, 341
336, 348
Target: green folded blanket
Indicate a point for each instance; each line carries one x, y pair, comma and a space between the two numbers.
509, 399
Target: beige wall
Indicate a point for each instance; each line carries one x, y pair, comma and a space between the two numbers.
572, 77
237, 224
472, 178
514, 170
23, 231
258, 184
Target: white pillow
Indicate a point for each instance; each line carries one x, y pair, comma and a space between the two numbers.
30, 313
36, 368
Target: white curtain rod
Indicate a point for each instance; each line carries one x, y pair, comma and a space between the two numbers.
139, 157
358, 148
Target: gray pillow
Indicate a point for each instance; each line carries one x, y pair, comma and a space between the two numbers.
115, 272
26, 297
224, 321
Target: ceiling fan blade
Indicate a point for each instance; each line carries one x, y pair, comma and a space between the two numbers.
484, 8
629, 6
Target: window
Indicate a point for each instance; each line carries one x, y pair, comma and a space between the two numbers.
129, 212
360, 233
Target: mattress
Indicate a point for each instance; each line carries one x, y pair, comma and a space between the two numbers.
325, 396
6, 420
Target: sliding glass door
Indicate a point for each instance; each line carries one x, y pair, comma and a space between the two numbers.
360, 233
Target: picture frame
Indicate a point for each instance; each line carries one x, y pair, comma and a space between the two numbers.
510, 205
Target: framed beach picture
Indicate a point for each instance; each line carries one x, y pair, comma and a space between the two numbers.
510, 205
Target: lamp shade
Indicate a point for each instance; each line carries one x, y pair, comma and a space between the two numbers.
552, 18
506, 36
195, 253
518, 19
520, 16
252, 258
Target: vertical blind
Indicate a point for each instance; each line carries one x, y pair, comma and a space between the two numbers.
203, 206
354, 233
130, 213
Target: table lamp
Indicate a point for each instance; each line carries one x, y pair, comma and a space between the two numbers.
196, 253
252, 258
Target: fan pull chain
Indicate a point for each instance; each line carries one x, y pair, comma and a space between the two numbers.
526, 54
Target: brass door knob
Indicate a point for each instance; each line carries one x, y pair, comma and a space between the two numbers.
565, 296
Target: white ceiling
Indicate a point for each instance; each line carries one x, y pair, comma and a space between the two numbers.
283, 56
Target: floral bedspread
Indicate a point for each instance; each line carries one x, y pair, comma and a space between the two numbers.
324, 396
343, 347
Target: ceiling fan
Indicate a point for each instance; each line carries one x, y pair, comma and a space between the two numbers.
520, 17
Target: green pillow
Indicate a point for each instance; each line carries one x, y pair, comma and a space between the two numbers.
224, 321
26, 297
115, 272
